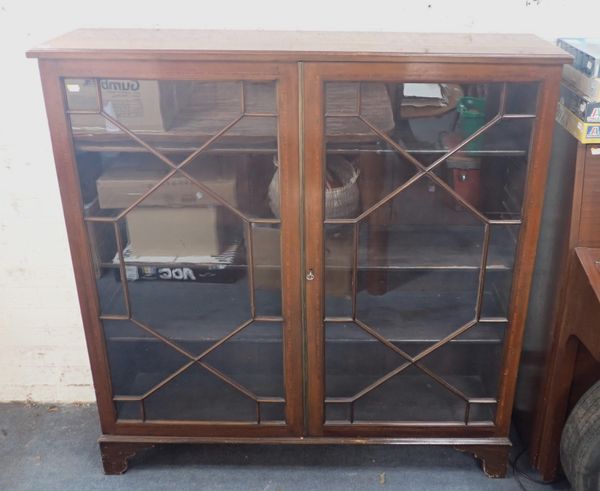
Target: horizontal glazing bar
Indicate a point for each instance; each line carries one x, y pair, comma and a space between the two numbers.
82, 111
484, 152
268, 318
197, 423
271, 400
493, 320
347, 221
260, 115
400, 424
273, 221
428, 267
342, 115
173, 265
101, 219
483, 400
518, 116
505, 222
114, 317
186, 148
338, 319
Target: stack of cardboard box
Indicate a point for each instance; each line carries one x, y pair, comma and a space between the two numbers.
579, 106
178, 220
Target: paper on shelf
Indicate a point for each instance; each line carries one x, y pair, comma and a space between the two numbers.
424, 95
226, 257
429, 91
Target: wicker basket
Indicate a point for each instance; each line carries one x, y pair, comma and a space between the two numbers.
341, 201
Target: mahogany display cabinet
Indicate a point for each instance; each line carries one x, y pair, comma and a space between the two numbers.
302, 237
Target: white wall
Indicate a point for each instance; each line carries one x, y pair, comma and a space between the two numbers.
42, 352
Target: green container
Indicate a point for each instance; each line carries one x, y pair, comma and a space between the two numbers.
471, 117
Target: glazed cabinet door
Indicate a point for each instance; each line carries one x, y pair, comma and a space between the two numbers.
420, 181
180, 187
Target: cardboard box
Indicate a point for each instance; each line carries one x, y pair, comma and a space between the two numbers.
223, 268
588, 86
586, 53
130, 176
584, 132
267, 262
580, 105
181, 232
140, 105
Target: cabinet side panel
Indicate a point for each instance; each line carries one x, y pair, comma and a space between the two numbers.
532, 212
547, 277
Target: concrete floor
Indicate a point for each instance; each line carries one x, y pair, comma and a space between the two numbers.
51, 448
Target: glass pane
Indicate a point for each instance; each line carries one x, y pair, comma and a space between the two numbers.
420, 179
103, 248
272, 412
338, 412
138, 361
357, 179
267, 269
410, 396
494, 182
174, 175
521, 98
498, 279
81, 95
338, 270
197, 394
354, 360
253, 358
471, 363
129, 410
482, 413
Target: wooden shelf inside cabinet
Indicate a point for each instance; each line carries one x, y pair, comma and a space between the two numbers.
413, 248
176, 141
449, 309
381, 301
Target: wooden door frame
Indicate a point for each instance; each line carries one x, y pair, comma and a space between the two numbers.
314, 77
52, 73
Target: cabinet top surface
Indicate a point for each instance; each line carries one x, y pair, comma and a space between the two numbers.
299, 46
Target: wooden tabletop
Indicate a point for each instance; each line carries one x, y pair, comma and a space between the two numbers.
300, 46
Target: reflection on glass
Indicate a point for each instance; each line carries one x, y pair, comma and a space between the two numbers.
427, 247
